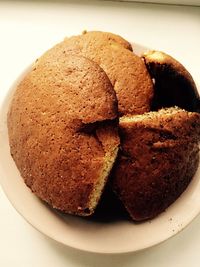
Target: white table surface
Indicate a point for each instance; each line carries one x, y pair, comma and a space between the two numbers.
27, 29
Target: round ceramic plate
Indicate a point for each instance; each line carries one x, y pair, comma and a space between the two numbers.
115, 235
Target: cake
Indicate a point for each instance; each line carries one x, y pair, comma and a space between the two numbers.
89, 107
62, 132
158, 159
173, 83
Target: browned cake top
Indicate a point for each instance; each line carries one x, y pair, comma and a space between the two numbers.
52, 132
107, 37
178, 122
126, 71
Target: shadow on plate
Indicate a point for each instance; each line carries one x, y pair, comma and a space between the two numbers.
109, 209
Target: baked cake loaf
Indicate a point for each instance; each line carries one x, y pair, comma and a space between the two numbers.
158, 160
62, 132
126, 71
173, 83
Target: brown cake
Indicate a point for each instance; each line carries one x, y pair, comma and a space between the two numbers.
158, 160
126, 71
63, 126
62, 132
173, 83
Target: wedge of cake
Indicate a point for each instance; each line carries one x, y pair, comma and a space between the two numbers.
173, 83
62, 132
158, 159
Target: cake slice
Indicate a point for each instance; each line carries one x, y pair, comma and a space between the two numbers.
62, 132
159, 156
174, 86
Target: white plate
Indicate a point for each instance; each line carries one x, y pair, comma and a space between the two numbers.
117, 236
